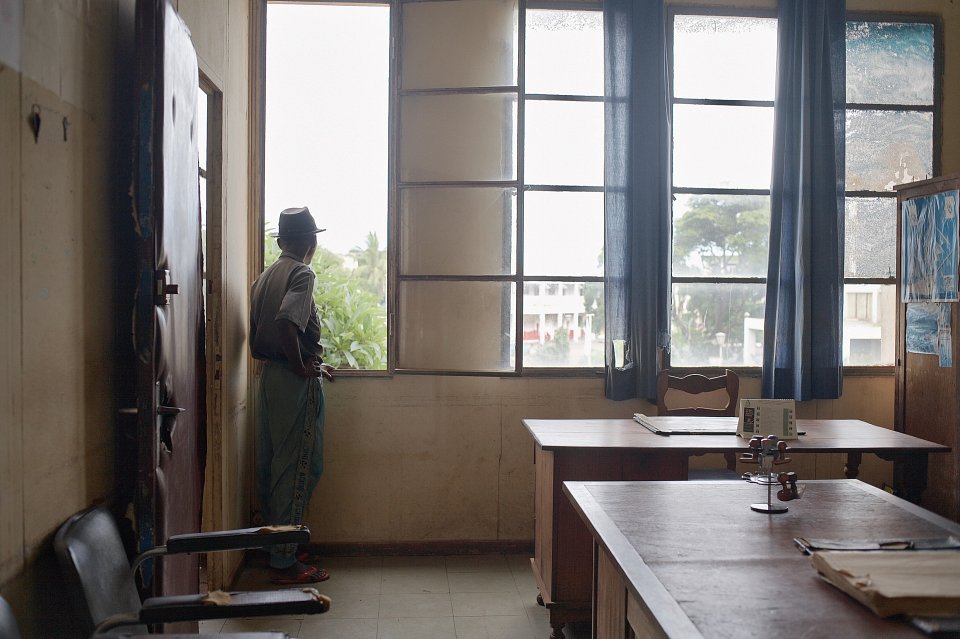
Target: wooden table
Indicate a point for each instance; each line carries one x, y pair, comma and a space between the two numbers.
622, 449
690, 559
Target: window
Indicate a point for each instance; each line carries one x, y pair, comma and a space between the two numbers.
328, 75
724, 70
499, 187
723, 82
891, 119
563, 192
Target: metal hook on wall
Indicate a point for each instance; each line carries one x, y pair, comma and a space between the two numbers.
34, 121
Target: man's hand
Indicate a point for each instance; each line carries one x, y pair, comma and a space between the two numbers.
327, 371
309, 368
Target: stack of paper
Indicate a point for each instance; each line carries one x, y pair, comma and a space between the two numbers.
891, 583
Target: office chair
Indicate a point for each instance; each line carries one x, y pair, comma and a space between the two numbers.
101, 586
696, 384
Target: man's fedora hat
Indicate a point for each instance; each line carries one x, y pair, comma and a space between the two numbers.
297, 221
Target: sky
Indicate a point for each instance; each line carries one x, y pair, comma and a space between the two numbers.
312, 97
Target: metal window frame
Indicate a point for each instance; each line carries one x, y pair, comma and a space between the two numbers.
259, 123
672, 13
518, 278
936, 108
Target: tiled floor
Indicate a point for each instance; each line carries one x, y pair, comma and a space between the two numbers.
457, 597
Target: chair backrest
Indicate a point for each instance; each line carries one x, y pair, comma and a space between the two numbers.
8, 625
99, 582
696, 384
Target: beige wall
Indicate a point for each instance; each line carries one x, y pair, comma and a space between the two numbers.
420, 458
58, 314
57, 407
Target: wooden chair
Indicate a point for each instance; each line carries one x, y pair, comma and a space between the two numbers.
697, 384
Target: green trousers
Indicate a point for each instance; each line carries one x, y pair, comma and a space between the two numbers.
289, 449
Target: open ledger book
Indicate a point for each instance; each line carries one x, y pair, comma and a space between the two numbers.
916, 583
669, 425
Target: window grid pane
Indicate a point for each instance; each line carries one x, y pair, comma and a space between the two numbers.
562, 321
726, 148
888, 63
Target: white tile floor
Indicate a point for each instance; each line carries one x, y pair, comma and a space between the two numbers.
457, 597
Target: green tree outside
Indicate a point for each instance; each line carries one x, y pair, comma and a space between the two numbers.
723, 235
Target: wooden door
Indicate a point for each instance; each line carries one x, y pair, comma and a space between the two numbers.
168, 316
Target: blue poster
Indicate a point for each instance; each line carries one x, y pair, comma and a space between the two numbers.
928, 331
922, 328
929, 248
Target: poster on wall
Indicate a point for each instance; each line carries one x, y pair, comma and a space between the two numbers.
929, 248
928, 331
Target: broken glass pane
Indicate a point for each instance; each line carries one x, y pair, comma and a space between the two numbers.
890, 63
885, 148
871, 237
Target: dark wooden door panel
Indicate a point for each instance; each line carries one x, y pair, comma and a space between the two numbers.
169, 305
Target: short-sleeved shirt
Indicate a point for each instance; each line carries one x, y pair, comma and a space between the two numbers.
284, 291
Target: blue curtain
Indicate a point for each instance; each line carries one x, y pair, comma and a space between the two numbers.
637, 196
802, 349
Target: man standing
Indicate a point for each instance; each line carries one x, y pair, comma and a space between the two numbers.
285, 334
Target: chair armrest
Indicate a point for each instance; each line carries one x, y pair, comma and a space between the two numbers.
240, 604
237, 539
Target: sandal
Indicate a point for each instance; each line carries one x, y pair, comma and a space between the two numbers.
298, 574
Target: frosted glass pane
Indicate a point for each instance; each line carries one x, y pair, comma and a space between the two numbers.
564, 143
458, 137
724, 57
717, 325
889, 63
457, 326
721, 235
457, 231
459, 43
563, 324
721, 146
871, 237
563, 233
885, 148
869, 321
564, 52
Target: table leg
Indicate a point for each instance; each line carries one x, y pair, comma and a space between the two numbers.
909, 475
852, 469
557, 630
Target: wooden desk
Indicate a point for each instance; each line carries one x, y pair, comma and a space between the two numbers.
690, 559
621, 449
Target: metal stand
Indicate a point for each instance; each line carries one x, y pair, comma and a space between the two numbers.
767, 452
770, 508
